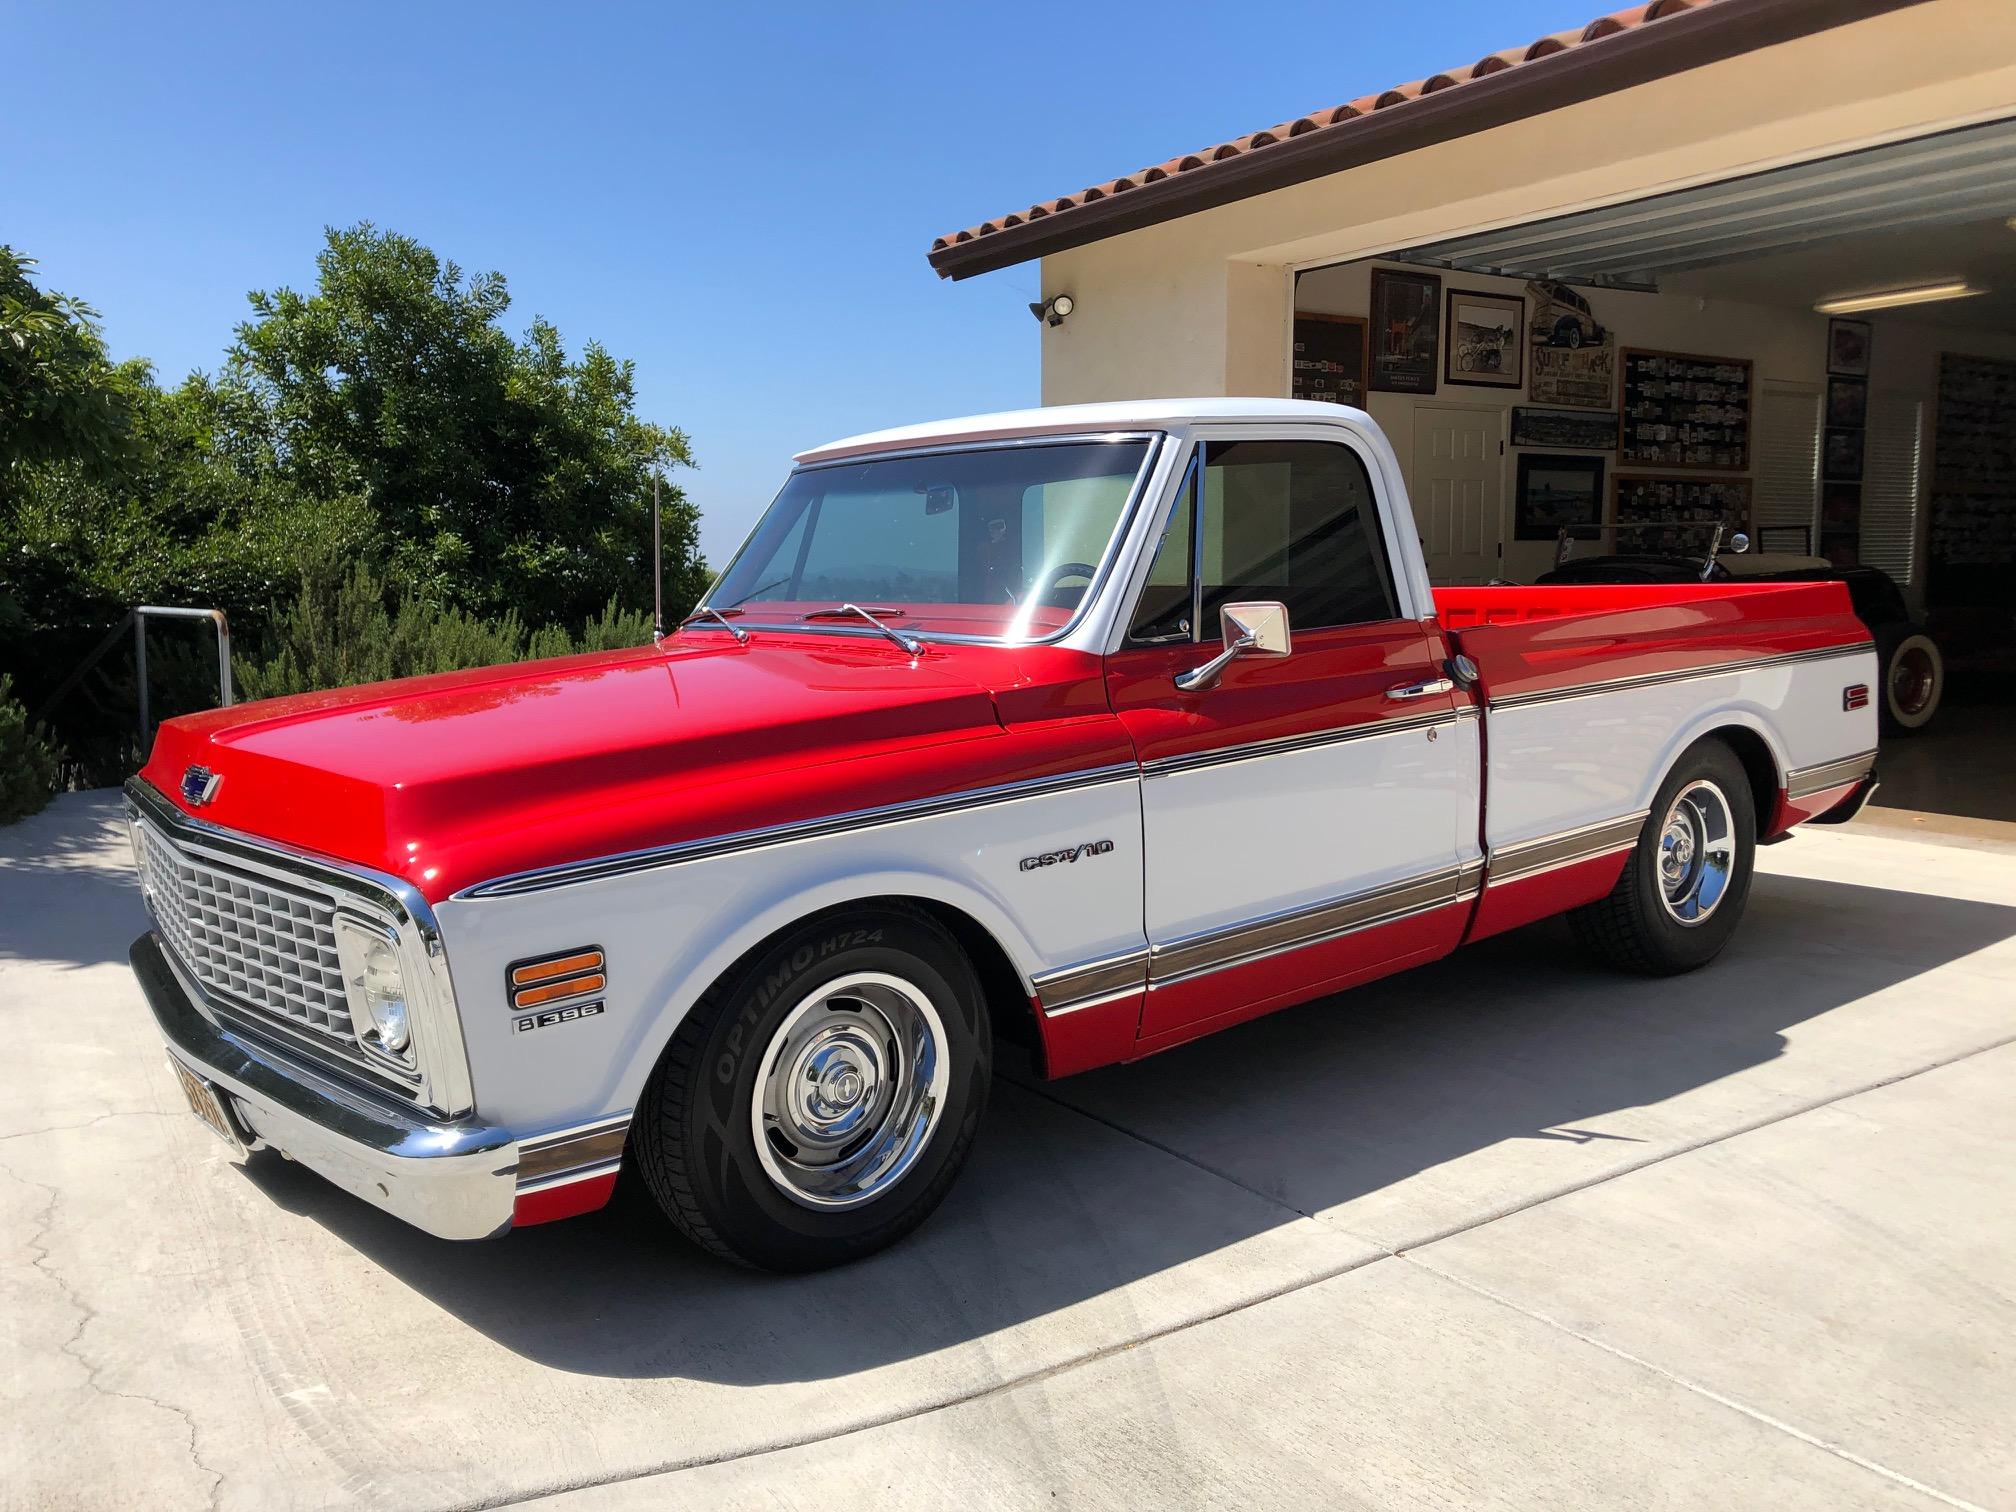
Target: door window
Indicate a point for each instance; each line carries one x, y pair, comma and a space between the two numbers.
1292, 521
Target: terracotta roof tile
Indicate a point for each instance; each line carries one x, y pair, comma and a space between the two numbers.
1340, 117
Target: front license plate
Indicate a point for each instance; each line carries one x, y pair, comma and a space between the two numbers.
206, 1105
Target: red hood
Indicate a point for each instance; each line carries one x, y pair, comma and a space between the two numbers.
447, 780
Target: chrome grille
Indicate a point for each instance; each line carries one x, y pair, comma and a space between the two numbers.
259, 947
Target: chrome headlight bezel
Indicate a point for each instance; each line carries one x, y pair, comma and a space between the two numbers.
435, 1071
374, 984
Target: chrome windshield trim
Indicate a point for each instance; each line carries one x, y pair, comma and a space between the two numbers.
1154, 439
651, 858
1678, 674
445, 1082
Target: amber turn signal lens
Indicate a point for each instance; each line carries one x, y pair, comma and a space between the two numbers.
548, 979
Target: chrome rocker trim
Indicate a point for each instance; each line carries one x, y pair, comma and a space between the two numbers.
1804, 782
1545, 853
559, 1159
453, 1180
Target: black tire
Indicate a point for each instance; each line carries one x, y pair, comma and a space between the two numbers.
1913, 677
1633, 928
693, 1139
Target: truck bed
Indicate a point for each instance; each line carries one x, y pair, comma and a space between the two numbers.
1528, 641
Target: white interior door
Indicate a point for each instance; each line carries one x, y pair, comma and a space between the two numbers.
1457, 486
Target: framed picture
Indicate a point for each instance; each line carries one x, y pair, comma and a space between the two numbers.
1584, 376
1842, 456
1487, 340
1847, 400
1848, 347
1329, 358
1406, 331
1556, 494
1591, 430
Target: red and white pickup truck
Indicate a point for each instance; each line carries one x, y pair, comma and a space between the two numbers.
1108, 726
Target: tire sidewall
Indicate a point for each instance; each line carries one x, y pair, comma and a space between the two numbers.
1894, 644
1677, 946
745, 1206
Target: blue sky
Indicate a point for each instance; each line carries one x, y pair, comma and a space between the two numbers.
737, 198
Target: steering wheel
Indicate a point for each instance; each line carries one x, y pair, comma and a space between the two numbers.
1067, 570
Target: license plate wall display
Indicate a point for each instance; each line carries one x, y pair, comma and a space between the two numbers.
1678, 515
1682, 409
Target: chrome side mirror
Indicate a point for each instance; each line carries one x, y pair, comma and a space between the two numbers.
1259, 629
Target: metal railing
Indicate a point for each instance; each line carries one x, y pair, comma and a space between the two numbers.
215, 616
137, 619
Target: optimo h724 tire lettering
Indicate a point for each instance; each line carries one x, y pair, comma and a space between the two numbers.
1683, 888
817, 1102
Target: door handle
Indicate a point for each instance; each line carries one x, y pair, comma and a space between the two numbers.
1425, 689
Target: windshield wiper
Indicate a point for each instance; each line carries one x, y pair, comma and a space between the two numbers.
711, 613
909, 643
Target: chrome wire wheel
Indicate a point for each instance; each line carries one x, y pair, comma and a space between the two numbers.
1697, 852
850, 1090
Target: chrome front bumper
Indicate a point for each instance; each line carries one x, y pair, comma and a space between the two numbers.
454, 1180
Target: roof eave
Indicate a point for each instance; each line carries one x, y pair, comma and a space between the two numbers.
1690, 39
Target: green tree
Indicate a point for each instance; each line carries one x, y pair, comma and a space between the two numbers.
502, 475
61, 397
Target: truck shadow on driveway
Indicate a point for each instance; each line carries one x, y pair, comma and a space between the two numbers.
1486, 1070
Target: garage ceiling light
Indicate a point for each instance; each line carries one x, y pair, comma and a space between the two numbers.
1923, 294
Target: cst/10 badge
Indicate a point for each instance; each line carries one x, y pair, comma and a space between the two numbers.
554, 1016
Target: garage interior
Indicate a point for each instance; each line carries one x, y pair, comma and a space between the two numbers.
1909, 465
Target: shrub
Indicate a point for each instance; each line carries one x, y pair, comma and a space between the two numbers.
29, 764
340, 631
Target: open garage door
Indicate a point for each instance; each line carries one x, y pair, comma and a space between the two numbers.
1822, 354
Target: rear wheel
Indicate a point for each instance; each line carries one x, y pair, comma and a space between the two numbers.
818, 1102
1684, 886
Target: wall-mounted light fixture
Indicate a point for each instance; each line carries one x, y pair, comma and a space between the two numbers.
1054, 309
1855, 304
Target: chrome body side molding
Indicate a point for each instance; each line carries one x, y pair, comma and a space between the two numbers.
1679, 674
1282, 745
566, 873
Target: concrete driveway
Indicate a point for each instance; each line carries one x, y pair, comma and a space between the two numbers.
1508, 1232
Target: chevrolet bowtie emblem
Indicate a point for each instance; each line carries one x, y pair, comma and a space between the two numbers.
199, 785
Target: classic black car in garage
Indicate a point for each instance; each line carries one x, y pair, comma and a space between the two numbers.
1914, 673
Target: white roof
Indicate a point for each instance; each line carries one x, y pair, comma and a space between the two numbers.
1124, 415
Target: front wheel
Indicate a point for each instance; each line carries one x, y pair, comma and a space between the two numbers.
817, 1103
1683, 888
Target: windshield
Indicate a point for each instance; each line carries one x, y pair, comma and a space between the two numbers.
998, 541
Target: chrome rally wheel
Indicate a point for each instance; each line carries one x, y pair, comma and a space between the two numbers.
850, 1090
1697, 853
819, 1099
1681, 891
